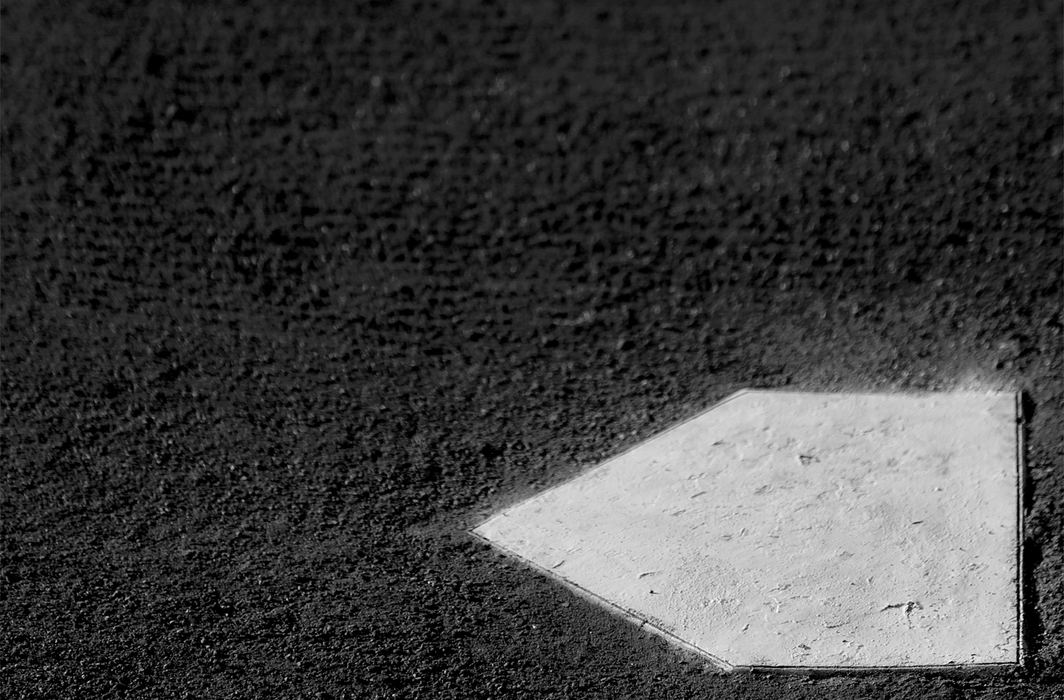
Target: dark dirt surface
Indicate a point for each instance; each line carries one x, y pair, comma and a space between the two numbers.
294, 296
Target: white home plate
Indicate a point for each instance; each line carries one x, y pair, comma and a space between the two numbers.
802, 530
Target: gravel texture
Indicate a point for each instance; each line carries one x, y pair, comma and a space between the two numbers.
293, 295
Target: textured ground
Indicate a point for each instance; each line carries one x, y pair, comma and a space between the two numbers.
292, 297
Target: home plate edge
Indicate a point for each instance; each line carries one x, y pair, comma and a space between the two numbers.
628, 615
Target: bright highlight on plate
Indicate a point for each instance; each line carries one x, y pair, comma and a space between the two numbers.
810, 530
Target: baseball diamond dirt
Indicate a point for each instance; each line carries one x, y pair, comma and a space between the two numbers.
295, 294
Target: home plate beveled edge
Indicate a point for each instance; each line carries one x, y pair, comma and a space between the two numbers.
802, 530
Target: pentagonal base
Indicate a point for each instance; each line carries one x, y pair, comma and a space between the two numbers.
802, 530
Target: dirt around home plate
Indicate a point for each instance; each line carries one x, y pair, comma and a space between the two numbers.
294, 297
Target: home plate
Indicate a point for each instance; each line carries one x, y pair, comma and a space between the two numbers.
802, 530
